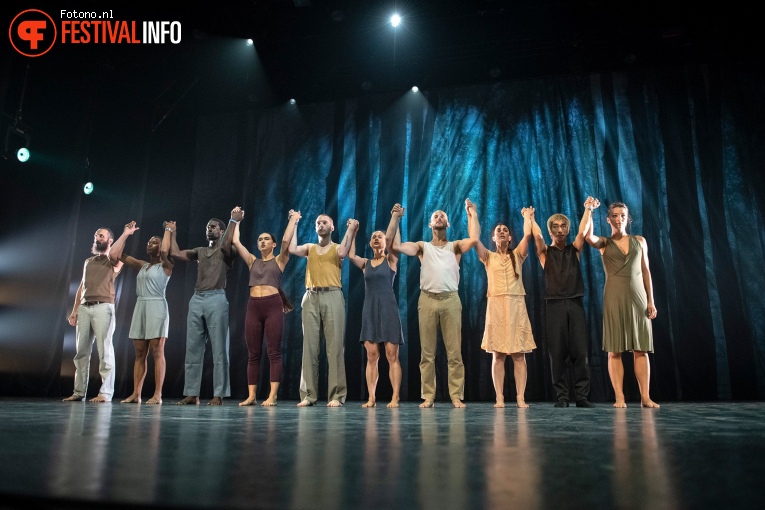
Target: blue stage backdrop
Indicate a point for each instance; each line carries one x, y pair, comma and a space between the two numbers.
683, 148
677, 148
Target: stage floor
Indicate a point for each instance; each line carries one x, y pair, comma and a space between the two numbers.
684, 455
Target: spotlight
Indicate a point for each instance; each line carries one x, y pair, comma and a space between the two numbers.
415, 89
88, 188
249, 42
292, 101
23, 154
395, 20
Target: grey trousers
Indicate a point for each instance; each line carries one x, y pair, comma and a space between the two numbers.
95, 322
207, 320
323, 311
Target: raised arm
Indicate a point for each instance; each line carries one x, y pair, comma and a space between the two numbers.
479, 246
284, 254
237, 215
240, 249
164, 248
300, 251
650, 310
586, 226
539, 241
116, 252
408, 248
523, 244
357, 261
351, 226
474, 229
175, 252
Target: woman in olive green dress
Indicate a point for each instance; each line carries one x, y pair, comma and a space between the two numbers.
627, 299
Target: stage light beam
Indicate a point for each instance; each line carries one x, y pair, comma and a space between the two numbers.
88, 188
23, 155
395, 20
415, 89
293, 102
250, 42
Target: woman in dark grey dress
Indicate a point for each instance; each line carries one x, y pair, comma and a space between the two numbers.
150, 323
627, 299
380, 321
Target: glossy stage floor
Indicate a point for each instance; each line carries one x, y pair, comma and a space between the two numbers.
684, 455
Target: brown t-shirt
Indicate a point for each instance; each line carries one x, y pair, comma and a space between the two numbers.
213, 268
98, 280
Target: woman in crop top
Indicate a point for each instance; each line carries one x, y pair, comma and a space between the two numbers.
265, 308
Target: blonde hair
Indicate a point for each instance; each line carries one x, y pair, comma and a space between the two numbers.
558, 217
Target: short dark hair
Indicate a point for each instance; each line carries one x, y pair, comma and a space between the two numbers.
220, 223
111, 234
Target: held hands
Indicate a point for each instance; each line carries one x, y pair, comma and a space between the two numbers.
398, 211
650, 311
237, 214
469, 207
294, 215
169, 225
527, 212
591, 203
130, 228
352, 224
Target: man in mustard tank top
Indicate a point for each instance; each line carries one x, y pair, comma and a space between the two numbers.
324, 311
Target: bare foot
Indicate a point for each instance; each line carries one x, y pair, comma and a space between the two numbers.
99, 399
154, 400
74, 398
269, 402
500, 403
189, 401
650, 403
521, 403
393, 403
457, 403
427, 404
334, 403
132, 399
251, 401
620, 404
216, 401
305, 403
371, 403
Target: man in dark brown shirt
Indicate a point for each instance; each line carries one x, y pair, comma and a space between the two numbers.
93, 314
208, 308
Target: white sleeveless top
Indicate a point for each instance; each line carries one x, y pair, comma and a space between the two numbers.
440, 271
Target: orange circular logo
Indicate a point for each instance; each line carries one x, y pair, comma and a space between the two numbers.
32, 33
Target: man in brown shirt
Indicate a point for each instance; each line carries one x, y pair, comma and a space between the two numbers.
93, 314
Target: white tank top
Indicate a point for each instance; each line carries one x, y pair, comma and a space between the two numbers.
440, 271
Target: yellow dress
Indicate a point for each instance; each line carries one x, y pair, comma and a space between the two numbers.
508, 329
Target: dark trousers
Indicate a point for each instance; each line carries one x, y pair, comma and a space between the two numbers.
264, 315
567, 339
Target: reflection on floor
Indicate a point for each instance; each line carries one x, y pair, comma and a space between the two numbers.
57, 455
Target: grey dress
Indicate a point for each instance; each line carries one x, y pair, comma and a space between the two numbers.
150, 317
380, 321
625, 324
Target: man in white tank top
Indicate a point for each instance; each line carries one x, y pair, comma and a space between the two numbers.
439, 301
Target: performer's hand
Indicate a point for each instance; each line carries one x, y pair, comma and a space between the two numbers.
352, 224
527, 211
237, 214
72, 319
398, 211
170, 224
130, 228
294, 215
651, 312
469, 207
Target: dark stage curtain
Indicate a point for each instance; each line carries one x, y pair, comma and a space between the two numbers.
684, 150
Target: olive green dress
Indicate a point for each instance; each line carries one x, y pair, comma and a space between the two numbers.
625, 324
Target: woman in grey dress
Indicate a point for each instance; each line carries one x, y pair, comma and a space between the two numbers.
150, 318
627, 299
380, 321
